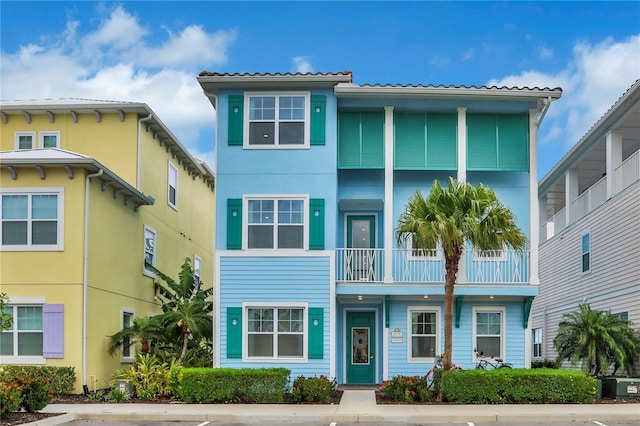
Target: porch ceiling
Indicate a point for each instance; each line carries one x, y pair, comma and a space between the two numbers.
353, 204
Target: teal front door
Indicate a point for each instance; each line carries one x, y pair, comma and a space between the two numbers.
361, 347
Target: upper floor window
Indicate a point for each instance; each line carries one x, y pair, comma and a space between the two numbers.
173, 186
149, 250
276, 223
197, 273
25, 140
586, 252
277, 120
537, 342
32, 219
415, 253
489, 331
424, 338
50, 139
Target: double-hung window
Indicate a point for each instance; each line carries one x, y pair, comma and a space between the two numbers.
197, 273
537, 342
50, 139
25, 140
489, 331
32, 219
127, 322
275, 332
275, 223
424, 337
277, 120
173, 186
586, 252
149, 250
24, 338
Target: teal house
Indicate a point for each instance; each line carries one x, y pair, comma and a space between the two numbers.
313, 172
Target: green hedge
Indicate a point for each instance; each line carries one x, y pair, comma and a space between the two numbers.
60, 380
518, 386
226, 385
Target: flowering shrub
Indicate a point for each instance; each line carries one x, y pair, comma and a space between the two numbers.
10, 398
314, 389
406, 389
36, 394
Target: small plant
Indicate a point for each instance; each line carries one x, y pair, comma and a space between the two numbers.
10, 398
117, 395
314, 389
149, 376
407, 389
96, 396
35, 395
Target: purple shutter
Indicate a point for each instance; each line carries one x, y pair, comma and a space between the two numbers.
53, 331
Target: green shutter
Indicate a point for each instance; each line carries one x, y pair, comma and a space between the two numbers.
409, 150
318, 119
513, 142
349, 140
316, 333
372, 139
236, 111
234, 332
442, 141
234, 224
481, 142
316, 224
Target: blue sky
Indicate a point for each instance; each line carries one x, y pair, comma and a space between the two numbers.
152, 52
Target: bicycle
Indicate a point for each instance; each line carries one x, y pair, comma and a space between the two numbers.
484, 363
438, 363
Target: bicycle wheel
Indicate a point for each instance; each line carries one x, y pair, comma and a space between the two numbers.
429, 378
505, 366
479, 367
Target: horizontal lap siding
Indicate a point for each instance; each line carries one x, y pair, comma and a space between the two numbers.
277, 280
614, 280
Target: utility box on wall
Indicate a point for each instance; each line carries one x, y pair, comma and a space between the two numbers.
621, 387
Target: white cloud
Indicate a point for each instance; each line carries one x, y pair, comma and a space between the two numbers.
594, 79
468, 55
121, 60
545, 53
301, 64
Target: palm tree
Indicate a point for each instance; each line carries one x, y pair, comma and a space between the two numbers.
597, 339
185, 305
452, 217
142, 330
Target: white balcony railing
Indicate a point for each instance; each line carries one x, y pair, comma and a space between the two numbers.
593, 197
367, 265
627, 173
554, 225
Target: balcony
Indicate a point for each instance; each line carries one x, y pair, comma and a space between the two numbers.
420, 267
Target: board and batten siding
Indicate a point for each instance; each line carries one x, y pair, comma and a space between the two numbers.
303, 279
612, 284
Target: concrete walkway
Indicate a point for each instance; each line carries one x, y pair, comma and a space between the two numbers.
355, 406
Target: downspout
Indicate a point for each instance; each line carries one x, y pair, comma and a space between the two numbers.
85, 278
140, 121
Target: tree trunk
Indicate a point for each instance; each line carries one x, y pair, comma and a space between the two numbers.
185, 342
451, 265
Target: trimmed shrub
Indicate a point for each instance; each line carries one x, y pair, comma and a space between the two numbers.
547, 363
60, 380
314, 389
227, 385
518, 386
148, 375
35, 395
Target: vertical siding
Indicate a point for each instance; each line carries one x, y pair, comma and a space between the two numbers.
277, 280
614, 280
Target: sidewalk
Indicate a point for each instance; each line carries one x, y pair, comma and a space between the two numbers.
355, 406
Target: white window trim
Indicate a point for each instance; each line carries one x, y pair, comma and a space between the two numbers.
431, 255
276, 145
23, 359
197, 261
132, 358
44, 133
275, 198
275, 305
496, 255
582, 272
536, 332
503, 317
59, 191
175, 169
426, 308
145, 271
16, 140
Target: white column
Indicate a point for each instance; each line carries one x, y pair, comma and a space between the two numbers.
388, 194
534, 211
570, 194
462, 144
614, 159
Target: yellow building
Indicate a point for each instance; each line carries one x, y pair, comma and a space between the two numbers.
88, 190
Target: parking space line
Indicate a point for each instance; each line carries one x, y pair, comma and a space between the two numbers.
203, 424
333, 424
598, 423
470, 424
